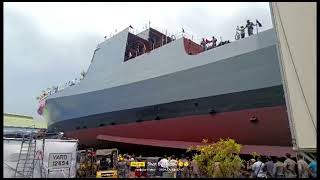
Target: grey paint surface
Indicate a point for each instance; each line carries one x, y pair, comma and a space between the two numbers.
108, 69
144, 34
249, 71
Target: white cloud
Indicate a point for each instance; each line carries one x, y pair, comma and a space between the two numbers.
49, 43
71, 19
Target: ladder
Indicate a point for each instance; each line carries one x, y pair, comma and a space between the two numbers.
25, 165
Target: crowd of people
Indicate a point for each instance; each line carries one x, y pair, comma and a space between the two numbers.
249, 26
209, 44
279, 167
187, 167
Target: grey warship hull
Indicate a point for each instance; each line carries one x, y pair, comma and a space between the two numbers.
212, 94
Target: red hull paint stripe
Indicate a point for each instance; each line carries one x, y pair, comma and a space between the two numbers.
272, 128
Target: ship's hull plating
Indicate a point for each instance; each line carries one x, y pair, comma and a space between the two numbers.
271, 128
212, 101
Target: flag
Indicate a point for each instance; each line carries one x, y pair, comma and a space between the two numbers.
182, 30
41, 107
130, 27
260, 25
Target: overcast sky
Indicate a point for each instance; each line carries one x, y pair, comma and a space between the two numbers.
48, 44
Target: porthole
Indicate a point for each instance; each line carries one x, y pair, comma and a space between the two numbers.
212, 111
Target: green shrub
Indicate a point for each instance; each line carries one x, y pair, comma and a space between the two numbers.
220, 159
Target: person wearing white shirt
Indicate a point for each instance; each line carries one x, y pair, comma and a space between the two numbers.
173, 163
258, 168
164, 163
302, 167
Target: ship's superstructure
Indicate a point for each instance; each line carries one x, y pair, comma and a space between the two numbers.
151, 86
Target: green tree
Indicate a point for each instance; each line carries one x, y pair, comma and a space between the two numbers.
220, 159
254, 155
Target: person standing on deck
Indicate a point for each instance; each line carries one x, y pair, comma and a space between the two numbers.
250, 27
130, 55
214, 42
203, 44
242, 33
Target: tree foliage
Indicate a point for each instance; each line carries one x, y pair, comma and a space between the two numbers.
220, 159
255, 154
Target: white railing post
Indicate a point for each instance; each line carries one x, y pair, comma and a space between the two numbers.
162, 40
166, 37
